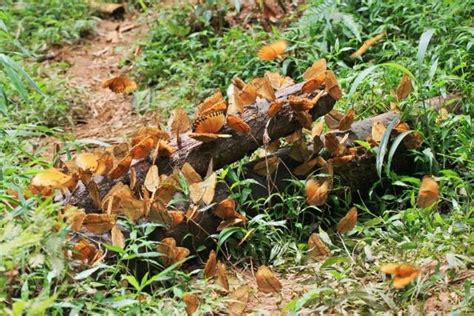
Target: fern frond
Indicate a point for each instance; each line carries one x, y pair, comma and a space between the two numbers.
315, 12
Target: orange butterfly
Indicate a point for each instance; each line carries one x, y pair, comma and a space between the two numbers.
120, 84
403, 273
272, 51
209, 123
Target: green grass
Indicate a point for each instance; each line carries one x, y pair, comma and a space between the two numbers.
184, 59
39, 24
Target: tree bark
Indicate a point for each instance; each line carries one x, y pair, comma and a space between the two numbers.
228, 150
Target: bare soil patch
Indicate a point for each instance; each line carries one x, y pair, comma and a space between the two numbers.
105, 115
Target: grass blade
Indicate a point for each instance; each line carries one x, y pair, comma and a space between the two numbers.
423, 45
383, 147
359, 79
393, 149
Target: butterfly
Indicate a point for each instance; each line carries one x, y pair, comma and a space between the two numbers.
210, 118
403, 274
209, 123
237, 124
120, 84
272, 51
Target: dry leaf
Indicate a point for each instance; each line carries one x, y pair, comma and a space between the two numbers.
274, 108
225, 209
221, 276
318, 67
237, 124
133, 178
428, 193
192, 303
367, 44
317, 191
346, 122
171, 253
117, 237
190, 174
120, 84
266, 281
378, 130
272, 51
238, 300
403, 274
347, 223
203, 191
266, 166
98, 223
152, 179
317, 249
210, 268
404, 88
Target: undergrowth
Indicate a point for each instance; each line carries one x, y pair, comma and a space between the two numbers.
431, 42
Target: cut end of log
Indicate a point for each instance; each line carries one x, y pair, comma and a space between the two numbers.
115, 10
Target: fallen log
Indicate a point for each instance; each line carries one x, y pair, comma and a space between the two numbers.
221, 151
228, 150
357, 175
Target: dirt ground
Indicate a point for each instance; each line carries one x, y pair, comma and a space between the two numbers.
108, 116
